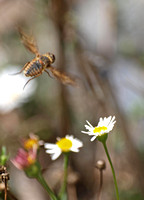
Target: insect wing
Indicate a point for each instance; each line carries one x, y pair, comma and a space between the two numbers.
29, 42
65, 79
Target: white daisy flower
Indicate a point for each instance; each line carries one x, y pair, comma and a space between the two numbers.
63, 145
104, 126
11, 89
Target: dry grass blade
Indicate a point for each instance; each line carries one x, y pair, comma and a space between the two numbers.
65, 79
29, 42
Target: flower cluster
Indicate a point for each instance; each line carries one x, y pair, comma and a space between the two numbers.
26, 156
27, 161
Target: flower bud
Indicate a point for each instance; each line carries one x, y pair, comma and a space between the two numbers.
100, 164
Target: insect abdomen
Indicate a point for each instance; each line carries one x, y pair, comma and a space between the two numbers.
33, 69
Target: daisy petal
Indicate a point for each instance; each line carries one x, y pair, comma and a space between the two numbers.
86, 132
93, 138
49, 145
55, 155
88, 127
74, 149
51, 151
89, 124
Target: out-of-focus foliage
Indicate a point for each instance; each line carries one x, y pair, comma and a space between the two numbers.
3, 156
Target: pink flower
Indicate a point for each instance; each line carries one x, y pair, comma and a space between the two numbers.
24, 158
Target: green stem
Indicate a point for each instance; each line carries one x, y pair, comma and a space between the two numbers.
112, 168
63, 188
42, 181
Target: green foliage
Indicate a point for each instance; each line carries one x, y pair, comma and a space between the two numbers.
3, 156
33, 170
131, 195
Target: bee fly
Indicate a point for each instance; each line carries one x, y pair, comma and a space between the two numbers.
41, 63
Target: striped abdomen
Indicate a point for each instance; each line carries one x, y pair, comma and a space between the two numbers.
33, 68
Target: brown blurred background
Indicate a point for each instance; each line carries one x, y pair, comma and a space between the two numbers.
101, 44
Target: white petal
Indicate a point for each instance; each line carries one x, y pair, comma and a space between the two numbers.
51, 151
112, 120
93, 138
88, 127
110, 127
70, 137
107, 121
100, 123
74, 149
76, 143
86, 132
111, 124
49, 145
101, 119
89, 124
56, 155
92, 133
76, 146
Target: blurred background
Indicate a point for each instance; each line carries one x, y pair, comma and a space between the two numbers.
101, 44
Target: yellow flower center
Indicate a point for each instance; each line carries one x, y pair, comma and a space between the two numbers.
30, 143
99, 129
64, 144
30, 160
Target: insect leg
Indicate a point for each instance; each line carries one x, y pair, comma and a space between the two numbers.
48, 73
21, 69
31, 79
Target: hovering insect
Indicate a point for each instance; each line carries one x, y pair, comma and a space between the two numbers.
41, 63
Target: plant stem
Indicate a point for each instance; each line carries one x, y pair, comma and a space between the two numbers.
63, 188
112, 168
42, 181
101, 183
5, 182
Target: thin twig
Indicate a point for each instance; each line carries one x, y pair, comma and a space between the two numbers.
100, 165
100, 184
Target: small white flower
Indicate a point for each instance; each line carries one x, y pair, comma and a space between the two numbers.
12, 94
104, 126
66, 144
